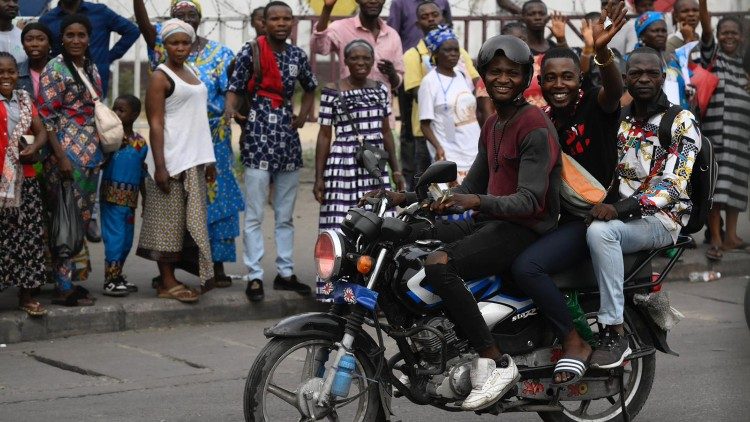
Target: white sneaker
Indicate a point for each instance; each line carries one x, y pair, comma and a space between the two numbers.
489, 383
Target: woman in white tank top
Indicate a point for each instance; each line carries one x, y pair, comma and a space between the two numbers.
181, 163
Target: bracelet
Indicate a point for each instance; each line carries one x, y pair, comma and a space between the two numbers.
609, 61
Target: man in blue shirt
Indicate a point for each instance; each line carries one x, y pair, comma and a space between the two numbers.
104, 21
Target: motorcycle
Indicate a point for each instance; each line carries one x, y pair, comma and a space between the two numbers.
308, 368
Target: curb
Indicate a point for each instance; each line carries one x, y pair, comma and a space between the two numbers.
112, 315
228, 305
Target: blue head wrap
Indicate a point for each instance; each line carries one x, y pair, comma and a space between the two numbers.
435, 38
645, 20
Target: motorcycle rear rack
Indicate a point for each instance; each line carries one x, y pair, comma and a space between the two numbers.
682, 242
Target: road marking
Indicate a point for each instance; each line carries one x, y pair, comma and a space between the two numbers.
68, 367
229, 342
161, 355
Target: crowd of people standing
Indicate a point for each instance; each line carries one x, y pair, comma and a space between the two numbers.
192, 202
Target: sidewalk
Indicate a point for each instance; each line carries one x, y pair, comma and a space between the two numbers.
143, 310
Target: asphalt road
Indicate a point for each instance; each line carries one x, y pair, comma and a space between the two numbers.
197, 373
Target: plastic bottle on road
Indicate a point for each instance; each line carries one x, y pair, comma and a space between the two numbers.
704, 276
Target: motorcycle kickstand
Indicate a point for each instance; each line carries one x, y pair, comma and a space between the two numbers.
620, 376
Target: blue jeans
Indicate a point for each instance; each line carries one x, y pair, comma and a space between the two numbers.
284, 197
607, 242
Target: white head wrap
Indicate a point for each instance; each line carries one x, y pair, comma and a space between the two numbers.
176, 26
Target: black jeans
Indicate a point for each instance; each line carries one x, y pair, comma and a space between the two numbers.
475, 250
552, 253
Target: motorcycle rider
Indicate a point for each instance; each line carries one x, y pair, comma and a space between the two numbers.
513, 185
653, 191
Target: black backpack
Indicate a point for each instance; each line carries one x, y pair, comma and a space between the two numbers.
702, 180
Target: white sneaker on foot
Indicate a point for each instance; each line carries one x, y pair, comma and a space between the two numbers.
489, 383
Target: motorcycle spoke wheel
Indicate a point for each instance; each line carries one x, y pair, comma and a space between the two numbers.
283, 394
608, 408
290, 366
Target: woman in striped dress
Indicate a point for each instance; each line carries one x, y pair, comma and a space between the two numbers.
727, 127
358, 108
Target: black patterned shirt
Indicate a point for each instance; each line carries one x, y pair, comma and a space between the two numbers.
270, 142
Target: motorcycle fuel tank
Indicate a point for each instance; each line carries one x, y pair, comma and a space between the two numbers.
419, 297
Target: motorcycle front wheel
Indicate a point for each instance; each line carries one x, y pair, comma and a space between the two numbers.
638, 379
285, 365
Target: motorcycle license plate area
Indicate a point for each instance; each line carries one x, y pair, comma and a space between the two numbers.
351, 293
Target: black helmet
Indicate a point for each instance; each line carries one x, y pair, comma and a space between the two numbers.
511, 47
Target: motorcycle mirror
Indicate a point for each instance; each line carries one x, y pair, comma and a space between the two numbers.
438, 172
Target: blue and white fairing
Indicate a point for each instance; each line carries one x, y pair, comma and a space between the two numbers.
420, 298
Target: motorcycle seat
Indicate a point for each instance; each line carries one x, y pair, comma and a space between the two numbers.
581, 277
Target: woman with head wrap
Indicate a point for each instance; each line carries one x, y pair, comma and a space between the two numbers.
174, 226
67, 109
358, 108
447, 105
211, 60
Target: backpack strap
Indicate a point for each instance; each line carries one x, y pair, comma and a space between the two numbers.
665, 126
257, 73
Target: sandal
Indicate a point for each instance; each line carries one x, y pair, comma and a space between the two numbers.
714, 253
77, 297
33, 308
222, 281
574, 366
180, 293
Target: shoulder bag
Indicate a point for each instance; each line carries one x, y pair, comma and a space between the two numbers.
108, 125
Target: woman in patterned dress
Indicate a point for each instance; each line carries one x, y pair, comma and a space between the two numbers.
22, 262
726, 126
211, 60
358, 108
67, 109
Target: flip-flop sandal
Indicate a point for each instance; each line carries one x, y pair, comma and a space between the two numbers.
180, 293
574, 366
33, 309
222, 281
714, 253
75, 298
742, 247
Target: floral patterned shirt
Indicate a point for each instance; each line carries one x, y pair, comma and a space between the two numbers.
658, 175
67, 107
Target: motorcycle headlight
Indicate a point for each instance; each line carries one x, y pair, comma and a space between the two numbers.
329, 252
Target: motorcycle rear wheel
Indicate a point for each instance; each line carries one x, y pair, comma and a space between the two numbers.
261, 404
639, 378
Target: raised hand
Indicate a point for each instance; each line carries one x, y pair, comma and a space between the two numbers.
588, 33
329, 3
604, 31
558, 22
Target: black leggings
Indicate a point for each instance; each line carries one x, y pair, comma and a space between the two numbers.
554, 252
475, 250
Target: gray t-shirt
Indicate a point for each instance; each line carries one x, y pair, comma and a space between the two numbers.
10, 41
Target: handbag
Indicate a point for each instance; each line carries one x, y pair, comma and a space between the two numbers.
380, 153
579, 190
67, 224
705, 83
108, 125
